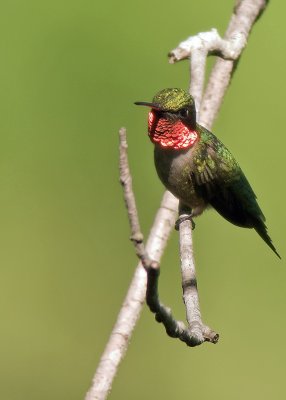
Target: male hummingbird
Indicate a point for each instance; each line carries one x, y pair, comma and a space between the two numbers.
196, 167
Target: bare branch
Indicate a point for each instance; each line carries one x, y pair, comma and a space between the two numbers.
209, 43
198, 330
126, 182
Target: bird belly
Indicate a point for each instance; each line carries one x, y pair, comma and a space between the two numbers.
175, 171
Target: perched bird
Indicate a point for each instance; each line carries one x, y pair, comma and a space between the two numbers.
196, 167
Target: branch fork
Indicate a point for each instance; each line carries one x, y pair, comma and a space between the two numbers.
210, 43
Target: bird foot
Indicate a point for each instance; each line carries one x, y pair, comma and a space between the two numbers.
183, 218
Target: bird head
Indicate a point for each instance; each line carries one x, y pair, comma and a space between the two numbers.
172, 118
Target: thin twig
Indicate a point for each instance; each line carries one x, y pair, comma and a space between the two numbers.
126, 182
245, 14
200, 332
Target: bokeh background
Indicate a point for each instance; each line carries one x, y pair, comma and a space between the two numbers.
70, 72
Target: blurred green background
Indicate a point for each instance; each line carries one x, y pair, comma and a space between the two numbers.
70, 72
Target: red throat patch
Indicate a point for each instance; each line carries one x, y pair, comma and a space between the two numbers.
169, 134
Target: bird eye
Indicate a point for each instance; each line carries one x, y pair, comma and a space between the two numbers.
184, 113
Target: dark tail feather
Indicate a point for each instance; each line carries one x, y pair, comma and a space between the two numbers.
262, 232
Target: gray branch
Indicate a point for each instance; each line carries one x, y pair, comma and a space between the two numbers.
244, 16
210, 43
126, 182
199, 332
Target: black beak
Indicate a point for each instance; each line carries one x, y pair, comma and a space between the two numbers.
145, 103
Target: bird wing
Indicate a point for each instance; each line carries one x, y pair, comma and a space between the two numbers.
221, 182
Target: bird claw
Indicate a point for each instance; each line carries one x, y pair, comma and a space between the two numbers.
182, 219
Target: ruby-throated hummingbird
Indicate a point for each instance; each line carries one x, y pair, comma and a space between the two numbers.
196, 167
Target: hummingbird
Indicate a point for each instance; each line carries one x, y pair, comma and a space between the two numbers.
196, 167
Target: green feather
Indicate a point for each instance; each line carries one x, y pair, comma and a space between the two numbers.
221, 182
